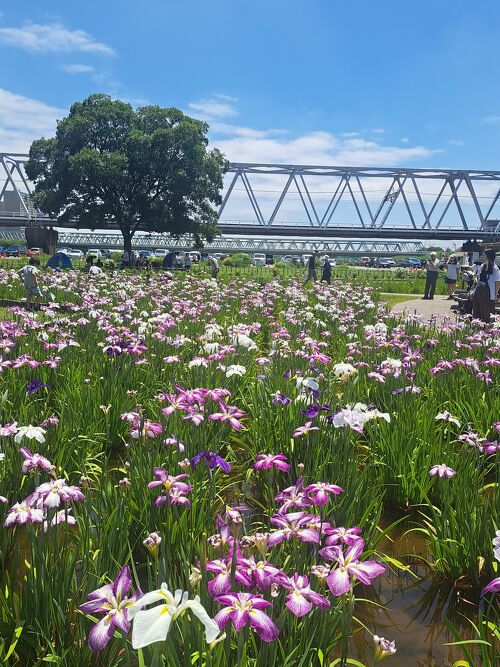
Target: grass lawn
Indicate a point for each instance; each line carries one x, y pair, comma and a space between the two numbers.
393, 299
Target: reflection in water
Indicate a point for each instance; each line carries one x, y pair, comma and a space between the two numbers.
412, 610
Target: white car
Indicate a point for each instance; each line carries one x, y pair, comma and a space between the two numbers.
161, 252
73, 252
94, 252
259, 259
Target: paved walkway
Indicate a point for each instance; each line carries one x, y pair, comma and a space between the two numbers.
438, 307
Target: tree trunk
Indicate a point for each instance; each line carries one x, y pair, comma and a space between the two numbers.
127, 240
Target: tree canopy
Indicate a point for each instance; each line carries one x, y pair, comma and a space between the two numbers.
110, 165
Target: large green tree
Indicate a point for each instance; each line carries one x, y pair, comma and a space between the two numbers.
112, 166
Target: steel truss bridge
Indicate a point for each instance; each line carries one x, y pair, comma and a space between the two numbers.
87, 240
247, 245
321, 201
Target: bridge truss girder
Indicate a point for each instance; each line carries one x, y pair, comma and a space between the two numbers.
247, 245
323, 201
374, 200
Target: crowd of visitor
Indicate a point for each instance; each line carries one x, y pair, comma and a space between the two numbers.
478, 297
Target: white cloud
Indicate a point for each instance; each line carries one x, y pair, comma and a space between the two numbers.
490, 120
77, 69
23, 119
52, 38
242, 144
314, 148
218, 106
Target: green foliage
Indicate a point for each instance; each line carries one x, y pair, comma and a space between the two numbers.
110, 165
238, 260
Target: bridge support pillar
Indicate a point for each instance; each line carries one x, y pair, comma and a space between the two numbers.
42, 237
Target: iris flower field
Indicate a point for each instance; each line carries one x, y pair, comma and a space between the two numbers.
213, 474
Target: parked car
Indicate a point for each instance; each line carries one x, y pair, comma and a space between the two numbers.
287, 259
15, 251
105, 252
73, 253
385, 263
144, 253
94, 252
195, 256
259, 259
269, 259
34, 252
363, 261
161, 252
305, 259
411, 263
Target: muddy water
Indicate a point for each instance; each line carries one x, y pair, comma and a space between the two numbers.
414, 610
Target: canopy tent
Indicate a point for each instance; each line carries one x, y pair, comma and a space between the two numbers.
59, 259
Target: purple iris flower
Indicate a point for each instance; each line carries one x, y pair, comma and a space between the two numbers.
492, 587
33, 386
212, 459
113, 601
281, 398
246, 609
302, 597
314, 409
349, 568
113, 350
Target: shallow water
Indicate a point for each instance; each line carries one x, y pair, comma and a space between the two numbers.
415, 610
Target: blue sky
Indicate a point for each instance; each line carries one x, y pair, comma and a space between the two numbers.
370, 83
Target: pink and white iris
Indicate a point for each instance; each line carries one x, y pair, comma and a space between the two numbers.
349, 568
302, 597
246, 609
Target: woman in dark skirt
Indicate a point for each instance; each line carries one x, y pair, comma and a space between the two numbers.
485, 294
326, 274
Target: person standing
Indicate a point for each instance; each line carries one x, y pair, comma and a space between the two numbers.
311, 267
31, 288
432, 268
168, 260
486, 292
451, 275
214, 266
326, 274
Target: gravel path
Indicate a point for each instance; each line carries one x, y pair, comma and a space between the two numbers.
439, 307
